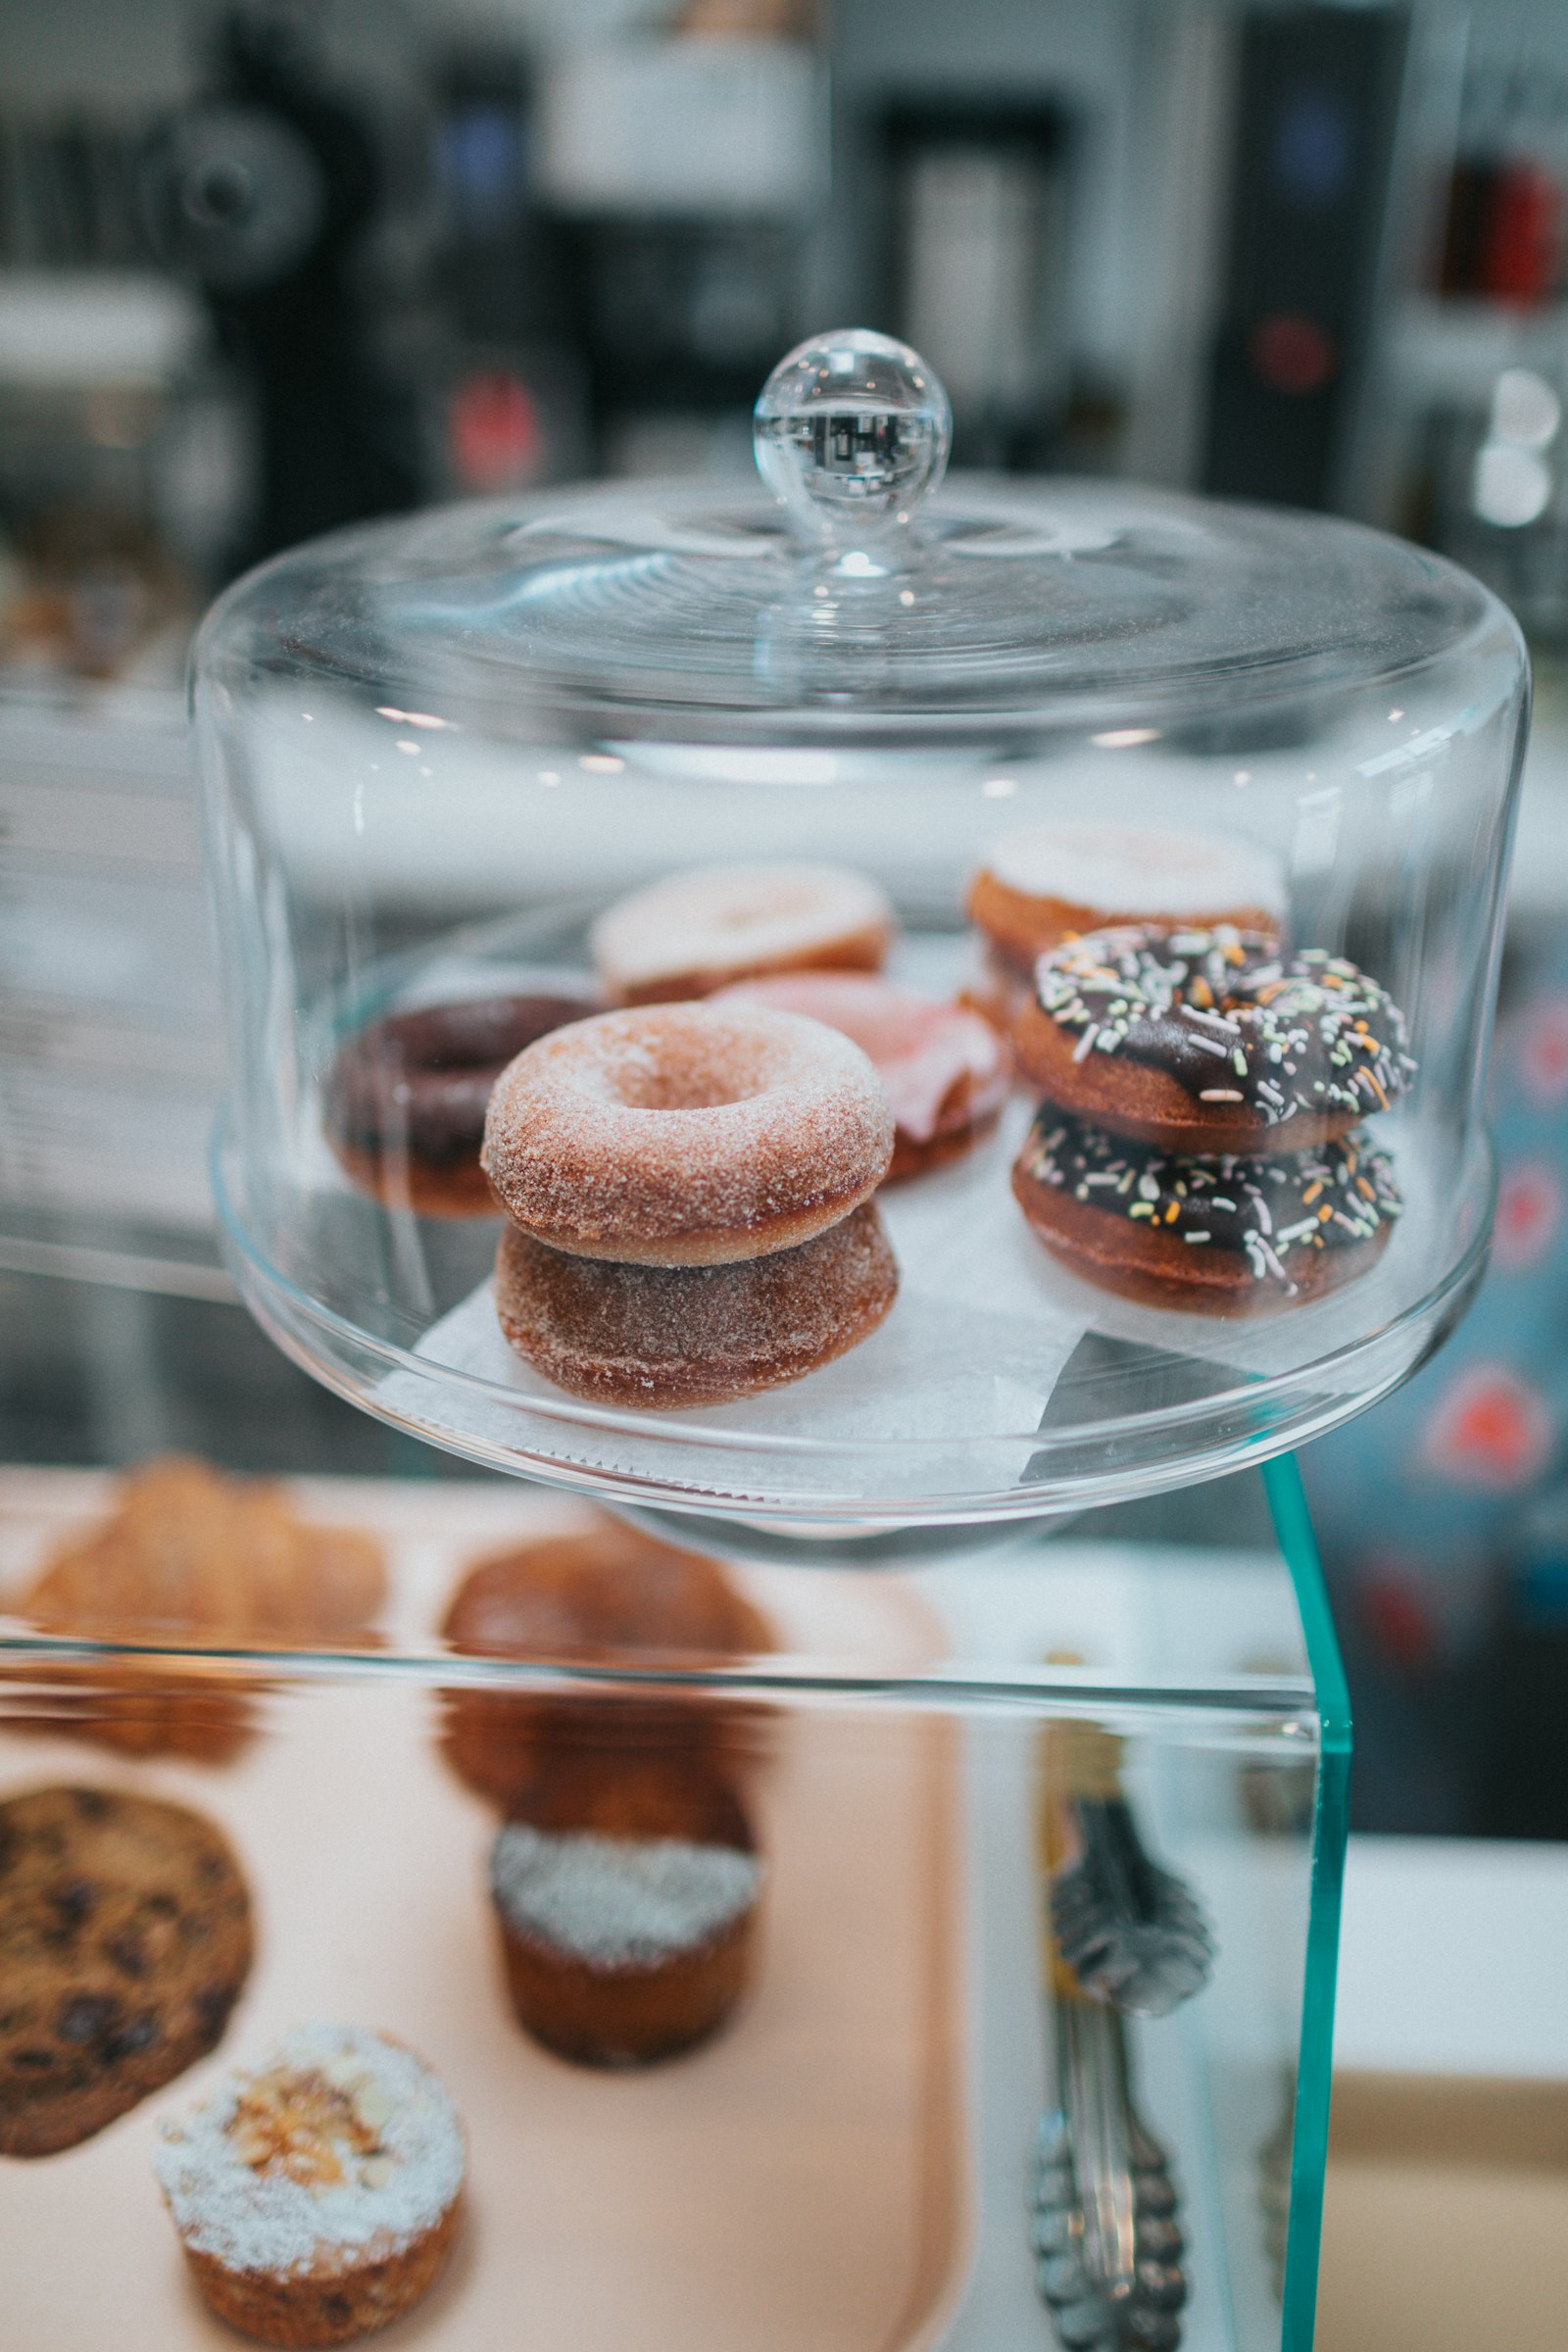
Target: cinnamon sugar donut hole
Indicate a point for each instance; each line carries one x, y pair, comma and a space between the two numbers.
664, 1336
683, 1134
696, 931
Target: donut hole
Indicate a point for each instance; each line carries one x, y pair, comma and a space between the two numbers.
698, 1077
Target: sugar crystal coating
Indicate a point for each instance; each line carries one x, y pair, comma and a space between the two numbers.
691, 1335
619, 1902
682, 1132
339, 2144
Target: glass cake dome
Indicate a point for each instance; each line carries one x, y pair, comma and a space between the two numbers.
972, 994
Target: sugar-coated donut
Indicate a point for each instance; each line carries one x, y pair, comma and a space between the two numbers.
1211, 1040
318, 2194
945, 1068
695, 931
628, 1905
610, 1596
666, 1337
1221, 1235
1044, 883
406, 1100
684, 1134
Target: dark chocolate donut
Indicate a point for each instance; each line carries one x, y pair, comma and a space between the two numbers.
1208, 1040
1223, 1234
406, 1096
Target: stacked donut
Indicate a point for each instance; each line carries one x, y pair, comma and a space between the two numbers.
1199, 1144
1041, 884
688, 1192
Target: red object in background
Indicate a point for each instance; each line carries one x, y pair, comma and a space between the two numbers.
1539, 1043
1488, 1429
1505, 232
1292, 353
1530, 1203
1397, 1614
496, 431
1523, 244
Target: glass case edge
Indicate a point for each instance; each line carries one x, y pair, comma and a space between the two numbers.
1330, 1828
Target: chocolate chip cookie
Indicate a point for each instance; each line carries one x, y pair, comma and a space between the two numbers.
124, 1940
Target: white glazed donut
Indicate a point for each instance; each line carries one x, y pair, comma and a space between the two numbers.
1045, 883
680, 1135
698, 930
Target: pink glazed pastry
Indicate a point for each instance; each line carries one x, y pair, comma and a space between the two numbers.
946, 1071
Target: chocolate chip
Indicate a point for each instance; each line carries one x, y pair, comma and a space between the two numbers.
9, 1843
73, 1902
137, 2033
212, 1866
213, 2006
157, 1906
91, 1803
338, 2309
127, 1952
36, 2062
84, 2016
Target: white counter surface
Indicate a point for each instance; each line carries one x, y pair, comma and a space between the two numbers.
1453, 1958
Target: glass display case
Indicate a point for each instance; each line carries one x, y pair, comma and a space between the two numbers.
912, 2128
1155, 851
869, 1026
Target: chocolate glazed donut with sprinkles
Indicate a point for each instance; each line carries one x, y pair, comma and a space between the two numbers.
1211, 1039
1225, 1233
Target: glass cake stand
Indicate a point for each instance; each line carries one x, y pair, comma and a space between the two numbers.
434, 752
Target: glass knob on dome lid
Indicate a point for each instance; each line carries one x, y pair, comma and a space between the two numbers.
852, 431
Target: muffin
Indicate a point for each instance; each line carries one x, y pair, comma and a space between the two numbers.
610, 1596
627, 1908
318, 2194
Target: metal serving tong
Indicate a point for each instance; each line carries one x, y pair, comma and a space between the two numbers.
1103, 2227
1117, 1932
1130, 1931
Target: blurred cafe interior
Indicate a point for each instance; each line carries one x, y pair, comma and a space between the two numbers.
271, 268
